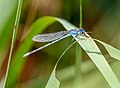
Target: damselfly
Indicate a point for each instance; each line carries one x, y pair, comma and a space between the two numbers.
55, 37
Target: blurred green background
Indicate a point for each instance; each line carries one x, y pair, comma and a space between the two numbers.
101, 17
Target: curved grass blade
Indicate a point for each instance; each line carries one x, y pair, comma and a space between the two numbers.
90, 47
18, 61
113, 52
53, 82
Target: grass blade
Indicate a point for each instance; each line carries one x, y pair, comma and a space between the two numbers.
90, 47
7, 19
114, 53
81, 22
53, 82
78, 59
18, 61
13, 39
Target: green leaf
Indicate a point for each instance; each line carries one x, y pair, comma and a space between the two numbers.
18, 61
90, 47
6, 25
15, 30
53, 81
114, 53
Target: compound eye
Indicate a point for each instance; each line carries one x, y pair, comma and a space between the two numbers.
82, 32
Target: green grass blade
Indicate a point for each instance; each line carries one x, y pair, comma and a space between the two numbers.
53, 82
78, 62
6, 25
78, 59
18, 61
13, 40
90, 47
114, 53
81, 22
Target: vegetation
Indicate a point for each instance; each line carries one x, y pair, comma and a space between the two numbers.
89, 63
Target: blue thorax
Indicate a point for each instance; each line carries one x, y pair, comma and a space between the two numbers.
75, 32
81, 30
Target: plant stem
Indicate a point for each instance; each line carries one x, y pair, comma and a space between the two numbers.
81, 14
13, 40
78, 75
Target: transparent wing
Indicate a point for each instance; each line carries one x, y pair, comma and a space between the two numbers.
49, 37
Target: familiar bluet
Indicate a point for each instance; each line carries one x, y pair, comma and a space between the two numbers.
54, 37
